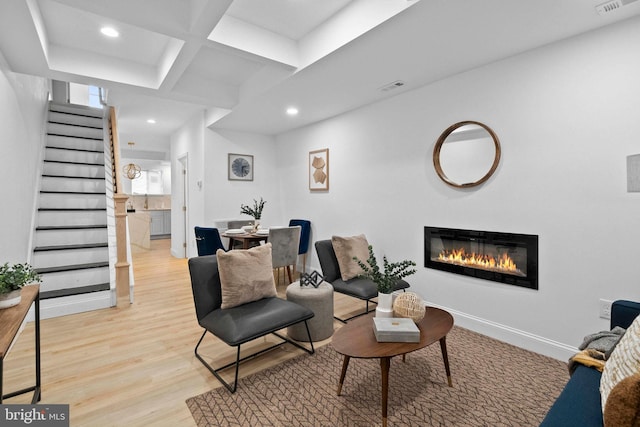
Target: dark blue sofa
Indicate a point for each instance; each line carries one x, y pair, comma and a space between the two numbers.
579, 403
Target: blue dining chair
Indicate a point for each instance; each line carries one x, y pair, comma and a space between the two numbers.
305, 234
208, 241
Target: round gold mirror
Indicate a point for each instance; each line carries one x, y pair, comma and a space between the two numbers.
466, 154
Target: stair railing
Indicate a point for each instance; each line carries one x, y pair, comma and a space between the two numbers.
120, 200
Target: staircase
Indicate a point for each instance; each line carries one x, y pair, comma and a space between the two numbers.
71, 241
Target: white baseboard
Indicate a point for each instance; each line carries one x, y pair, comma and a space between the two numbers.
512, 336
62, 306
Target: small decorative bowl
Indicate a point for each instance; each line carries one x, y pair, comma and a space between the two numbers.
409, 304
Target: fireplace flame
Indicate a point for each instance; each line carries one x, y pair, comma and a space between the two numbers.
502, 262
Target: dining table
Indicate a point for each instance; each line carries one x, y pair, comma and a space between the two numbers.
245, 237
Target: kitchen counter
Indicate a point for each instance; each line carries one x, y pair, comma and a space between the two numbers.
139, 231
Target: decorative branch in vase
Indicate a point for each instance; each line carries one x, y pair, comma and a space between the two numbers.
255, 211
386, 279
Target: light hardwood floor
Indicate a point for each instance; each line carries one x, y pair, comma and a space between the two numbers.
134, 366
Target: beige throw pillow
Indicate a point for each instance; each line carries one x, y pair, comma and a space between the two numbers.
623, 362
346, 248
245, 275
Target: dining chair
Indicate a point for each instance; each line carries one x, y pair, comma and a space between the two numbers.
238, 224
305, 234
285, 242
208, 240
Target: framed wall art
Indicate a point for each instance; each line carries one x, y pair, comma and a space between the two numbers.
240, 167
319, 170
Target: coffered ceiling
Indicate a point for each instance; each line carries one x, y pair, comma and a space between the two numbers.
243, 62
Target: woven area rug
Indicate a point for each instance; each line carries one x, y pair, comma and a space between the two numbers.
494, 384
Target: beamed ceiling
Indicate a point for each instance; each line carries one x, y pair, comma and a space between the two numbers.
243, 62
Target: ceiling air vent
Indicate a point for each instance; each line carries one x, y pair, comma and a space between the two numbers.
392, 85
612, 5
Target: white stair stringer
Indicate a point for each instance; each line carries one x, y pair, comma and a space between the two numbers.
71, 238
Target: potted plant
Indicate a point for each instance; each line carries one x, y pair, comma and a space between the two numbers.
12, 279
386, 278
255, 211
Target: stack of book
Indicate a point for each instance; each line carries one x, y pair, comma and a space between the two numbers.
395, 329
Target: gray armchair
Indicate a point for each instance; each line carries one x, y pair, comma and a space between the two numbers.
358, 287
239, 325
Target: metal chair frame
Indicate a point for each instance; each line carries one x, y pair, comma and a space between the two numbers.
232, 387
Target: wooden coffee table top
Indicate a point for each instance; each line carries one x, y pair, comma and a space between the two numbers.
357, 339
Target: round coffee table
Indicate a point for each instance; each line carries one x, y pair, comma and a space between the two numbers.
357, 339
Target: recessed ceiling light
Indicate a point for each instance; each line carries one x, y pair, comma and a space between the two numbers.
152, 121
109, 31
292, 111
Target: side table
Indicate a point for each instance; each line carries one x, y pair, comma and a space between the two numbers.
320, 301
10, 321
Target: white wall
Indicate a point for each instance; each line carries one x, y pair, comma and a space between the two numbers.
567, 115
218, 198
224, 197
23, 103
187, 141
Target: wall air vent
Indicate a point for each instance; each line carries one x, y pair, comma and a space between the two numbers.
392, 85
612, 5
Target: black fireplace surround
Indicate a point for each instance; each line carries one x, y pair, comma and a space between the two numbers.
500, 257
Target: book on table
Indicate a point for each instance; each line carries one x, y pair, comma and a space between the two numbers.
395, 329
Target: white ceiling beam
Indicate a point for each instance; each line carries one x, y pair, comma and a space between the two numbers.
102, 67
354, 20
258, 41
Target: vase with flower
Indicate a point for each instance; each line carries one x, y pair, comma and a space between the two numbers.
254, 211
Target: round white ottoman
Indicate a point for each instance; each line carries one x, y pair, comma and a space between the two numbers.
320, 301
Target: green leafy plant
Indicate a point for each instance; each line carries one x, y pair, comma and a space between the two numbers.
14, 277
255, 211
386, 279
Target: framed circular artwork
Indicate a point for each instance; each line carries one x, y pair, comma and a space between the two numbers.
240, 167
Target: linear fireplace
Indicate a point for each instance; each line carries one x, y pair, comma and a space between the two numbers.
501, 257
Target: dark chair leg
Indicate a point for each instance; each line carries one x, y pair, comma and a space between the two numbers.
232, 388
290, 341
366, 311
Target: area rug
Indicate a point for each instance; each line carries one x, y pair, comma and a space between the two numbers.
494, 384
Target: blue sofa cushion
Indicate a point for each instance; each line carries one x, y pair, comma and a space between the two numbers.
579, 403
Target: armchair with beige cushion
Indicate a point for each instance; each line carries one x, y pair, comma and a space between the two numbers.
339, 269
235, 299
